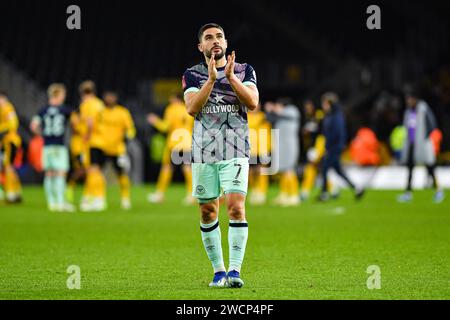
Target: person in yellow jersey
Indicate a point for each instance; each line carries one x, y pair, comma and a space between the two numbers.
117, 127
177, 124
259, 148
314, 143
10, 142
77, 151
90, 114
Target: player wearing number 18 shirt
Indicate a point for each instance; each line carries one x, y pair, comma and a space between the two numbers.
51, 123
218, 93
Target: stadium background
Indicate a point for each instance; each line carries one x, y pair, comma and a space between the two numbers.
299, 50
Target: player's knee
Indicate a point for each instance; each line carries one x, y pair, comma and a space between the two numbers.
208, 212
236, 210
186, 168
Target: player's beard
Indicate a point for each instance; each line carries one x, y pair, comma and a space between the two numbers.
216, 56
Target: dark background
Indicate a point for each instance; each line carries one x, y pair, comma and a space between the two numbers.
298, 49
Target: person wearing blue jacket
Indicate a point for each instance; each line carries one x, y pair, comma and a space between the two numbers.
334, 130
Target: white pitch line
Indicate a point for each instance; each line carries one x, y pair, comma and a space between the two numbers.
338, 211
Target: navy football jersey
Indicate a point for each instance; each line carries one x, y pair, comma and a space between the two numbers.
221, 127
54, 122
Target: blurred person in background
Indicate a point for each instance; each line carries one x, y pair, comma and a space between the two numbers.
259, 135
334, 130
314, 143
95, 185
51, 123
116, 126
10, 142
312, 123
285, 117
2, 193
178, 125
77, 152
418, 148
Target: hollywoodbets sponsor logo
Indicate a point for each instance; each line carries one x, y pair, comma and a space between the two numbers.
226, 108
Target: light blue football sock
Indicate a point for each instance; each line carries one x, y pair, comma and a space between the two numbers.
49, 191
212, 241
237, 240
60, 189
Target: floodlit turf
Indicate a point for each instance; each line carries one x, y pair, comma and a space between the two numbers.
314, 251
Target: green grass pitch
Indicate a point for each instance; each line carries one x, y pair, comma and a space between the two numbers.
314, 251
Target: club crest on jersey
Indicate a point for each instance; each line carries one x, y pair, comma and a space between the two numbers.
200, 189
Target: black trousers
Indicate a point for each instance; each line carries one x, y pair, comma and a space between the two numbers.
411, 164
332, 160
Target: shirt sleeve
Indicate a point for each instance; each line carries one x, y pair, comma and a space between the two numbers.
190, 82
130, 128
250, 76
163, 125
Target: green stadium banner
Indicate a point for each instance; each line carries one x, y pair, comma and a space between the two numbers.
157, 144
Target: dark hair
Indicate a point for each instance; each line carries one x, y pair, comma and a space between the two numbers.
208, 26
308, 100
412, 91
177, 94
3, 93
110, 92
